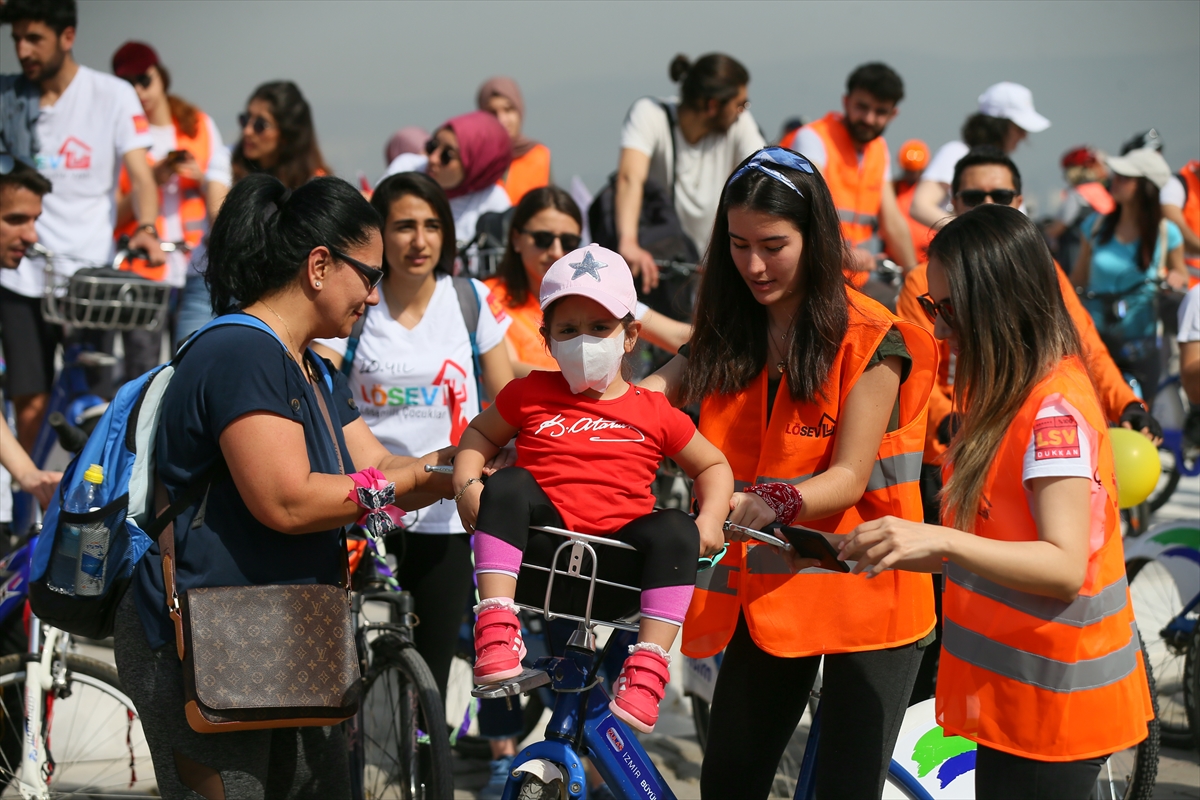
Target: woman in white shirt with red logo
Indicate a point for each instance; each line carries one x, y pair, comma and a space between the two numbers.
416, 380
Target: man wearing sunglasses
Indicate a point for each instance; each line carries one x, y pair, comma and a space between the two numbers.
850, 152
86, 125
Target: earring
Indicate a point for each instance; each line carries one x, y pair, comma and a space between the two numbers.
318, 284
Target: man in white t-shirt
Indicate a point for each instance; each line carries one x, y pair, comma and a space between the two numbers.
1189, 346
714, 132
89, 123
1013, 102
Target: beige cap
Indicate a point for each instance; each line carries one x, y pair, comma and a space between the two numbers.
1141, 163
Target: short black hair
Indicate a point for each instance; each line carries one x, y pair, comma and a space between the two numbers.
24, 176
58, 14
979, 156
879, 79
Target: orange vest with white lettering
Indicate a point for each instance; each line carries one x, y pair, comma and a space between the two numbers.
1190, 175
1029, 674
193, 210
809, 613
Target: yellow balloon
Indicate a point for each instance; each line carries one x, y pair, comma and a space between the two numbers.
1138, 468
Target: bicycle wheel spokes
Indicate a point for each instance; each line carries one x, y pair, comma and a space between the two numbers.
1156, 601
391, 724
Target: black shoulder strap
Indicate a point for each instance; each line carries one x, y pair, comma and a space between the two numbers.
671, 128
468, 301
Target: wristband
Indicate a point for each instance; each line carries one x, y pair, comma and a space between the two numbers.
782, 498
375, 493
149, 227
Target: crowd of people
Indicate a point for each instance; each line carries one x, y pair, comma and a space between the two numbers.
907, 420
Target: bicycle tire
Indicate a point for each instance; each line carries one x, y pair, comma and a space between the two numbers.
1161, 494
1191, 684
1168, 662
400, 696
116, 764
534, 789
1139, 783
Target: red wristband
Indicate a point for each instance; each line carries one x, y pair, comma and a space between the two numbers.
782, 498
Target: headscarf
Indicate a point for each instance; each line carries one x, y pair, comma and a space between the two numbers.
484, 148
410, 139
508, 89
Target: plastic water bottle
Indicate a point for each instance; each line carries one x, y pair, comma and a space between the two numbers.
93, 542
64, 566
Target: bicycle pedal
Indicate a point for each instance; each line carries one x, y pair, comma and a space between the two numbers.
527, 681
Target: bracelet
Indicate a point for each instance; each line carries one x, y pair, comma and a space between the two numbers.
149, 227
374, 493
782, 498
463, 490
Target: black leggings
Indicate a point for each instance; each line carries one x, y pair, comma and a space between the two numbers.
759, 699
667, 542
436, 569
1002, 776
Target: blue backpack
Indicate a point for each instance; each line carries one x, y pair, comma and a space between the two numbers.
123, 443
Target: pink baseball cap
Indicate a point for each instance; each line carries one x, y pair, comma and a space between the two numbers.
594, 272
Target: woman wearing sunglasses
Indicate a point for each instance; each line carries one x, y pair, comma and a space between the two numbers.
467, 155
817, 396
545, 226
304, 264
1041, 664
278, 136
416, 380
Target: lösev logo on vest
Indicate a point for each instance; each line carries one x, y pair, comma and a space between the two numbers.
822, 430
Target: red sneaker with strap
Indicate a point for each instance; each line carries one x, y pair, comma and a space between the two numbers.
640, 688
498, 644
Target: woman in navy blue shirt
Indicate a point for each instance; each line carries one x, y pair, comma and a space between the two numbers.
304, 263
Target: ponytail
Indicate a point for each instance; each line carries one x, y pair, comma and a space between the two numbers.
715, 76
264, 233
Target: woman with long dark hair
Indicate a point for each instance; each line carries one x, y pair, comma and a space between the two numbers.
415, 372
305, 265
1122, 258
546, 225
278, 137
817, 396
1041, 664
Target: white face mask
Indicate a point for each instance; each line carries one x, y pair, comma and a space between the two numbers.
589, 362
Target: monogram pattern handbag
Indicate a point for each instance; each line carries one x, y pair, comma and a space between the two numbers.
258, 657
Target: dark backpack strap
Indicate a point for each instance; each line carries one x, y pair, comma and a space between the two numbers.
470, 305
352, 343
671, 127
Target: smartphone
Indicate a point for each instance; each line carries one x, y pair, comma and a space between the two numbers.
813, 544
176, 157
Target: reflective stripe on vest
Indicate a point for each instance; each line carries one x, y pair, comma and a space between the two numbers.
840, 613
1035, 670
1083, 610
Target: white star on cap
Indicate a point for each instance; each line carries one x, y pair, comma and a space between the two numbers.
588, 266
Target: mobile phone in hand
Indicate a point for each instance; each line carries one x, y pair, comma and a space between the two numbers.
812, 544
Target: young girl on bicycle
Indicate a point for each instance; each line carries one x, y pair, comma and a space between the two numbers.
588, 446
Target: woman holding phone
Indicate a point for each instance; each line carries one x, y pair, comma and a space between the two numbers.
1041, 663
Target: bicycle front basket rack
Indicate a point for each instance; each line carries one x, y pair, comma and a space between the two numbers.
102, 297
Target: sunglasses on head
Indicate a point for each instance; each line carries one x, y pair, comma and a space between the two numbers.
373, 274
974, 197
448, 152
544, 240
933, 307
778, 156
142, 80
257, 123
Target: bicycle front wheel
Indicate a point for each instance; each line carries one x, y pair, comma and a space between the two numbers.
1156, 601
94, 739
406, 752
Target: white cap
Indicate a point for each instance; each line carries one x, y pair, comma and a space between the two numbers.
1141, 163
1012, 101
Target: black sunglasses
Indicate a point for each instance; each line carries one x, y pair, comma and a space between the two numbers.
260, 124
448, 152
142, 80
373, 274
544, 240
973, 197
933, 307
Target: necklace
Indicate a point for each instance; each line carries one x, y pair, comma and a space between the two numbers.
785, 339
303, 363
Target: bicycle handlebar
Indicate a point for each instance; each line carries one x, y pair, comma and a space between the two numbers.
70, 437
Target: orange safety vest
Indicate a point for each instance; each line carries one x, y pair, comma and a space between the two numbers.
1097, 197
524, 334
1032, 675
856, 186
530, 171
1190, 175
193, 210
809, 613
920, 232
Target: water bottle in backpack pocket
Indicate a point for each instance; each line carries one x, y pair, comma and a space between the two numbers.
77, 566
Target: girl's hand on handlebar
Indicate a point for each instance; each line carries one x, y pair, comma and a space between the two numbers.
712, 536
749, 511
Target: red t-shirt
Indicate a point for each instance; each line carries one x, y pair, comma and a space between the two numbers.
595, 459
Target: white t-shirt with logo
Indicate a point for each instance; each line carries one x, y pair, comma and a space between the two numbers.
703, 167
416, 388
83, 138
164, 140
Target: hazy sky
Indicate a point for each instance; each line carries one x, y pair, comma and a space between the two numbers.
1100, 71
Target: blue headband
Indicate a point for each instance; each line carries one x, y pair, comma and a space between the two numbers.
779, 156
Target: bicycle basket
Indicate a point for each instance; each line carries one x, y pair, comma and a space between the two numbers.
102, 297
